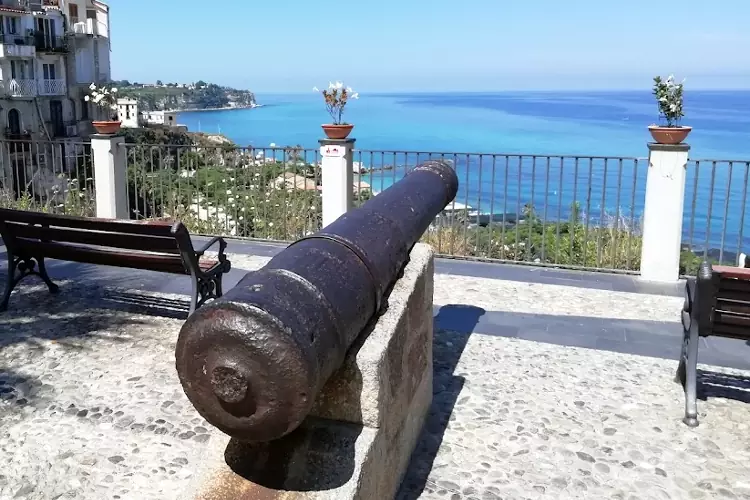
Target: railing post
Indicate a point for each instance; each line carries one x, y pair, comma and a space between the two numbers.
663, 212
110, 176
337, 177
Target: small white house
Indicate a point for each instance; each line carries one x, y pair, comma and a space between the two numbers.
167, 118
127, 112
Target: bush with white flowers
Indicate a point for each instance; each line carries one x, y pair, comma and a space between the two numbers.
668, 95
336, 96
104, 97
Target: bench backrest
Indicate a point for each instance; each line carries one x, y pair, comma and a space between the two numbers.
730, 315
22, 229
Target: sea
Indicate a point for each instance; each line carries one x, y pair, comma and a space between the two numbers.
567, 124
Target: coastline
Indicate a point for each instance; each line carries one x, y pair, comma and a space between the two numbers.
224, 108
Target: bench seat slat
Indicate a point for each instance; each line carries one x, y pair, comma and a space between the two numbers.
732, 318
740, 273
106, 257
97, 238
153, 228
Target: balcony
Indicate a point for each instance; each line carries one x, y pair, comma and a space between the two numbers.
63, 130
89, 27
52, 87
16, 136
12, 45
46, 43
16, 87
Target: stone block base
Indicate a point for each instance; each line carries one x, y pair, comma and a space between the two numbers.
358, 440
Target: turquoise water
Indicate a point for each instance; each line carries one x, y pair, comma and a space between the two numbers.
530, 123
570, 123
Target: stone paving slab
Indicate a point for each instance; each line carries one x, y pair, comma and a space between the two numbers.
512, 418
516, 419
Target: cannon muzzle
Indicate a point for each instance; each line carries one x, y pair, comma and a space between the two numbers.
253, 362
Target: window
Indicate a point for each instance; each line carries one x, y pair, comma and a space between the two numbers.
21, 70
84, 109
48, 71
73, 12
11, 23
91, 14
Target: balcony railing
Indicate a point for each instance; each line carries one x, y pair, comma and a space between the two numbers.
17, 136
63, 130
14, 46
46, 43
52, 87
16, 87
89, 27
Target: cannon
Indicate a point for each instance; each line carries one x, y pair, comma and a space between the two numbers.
253, 361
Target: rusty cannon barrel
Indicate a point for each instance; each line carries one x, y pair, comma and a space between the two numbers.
253, 362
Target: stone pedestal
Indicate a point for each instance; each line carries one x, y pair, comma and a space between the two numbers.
358, 440
663, 211
337, 177
110, 176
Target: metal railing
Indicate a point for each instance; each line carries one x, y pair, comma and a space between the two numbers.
271, 194
52, 87
576, 212
45, 42
716, 211
17, 87
16, 39
47, 176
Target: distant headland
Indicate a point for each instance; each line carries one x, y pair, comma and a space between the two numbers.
197, 96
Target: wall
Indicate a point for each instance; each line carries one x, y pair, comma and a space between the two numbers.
105, 72
84, 61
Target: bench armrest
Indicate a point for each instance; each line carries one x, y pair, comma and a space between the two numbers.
222, 247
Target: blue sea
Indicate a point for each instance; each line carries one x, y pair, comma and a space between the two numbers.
531, 123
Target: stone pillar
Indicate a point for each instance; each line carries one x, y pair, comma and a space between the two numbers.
337, 177
110, 176
663, 212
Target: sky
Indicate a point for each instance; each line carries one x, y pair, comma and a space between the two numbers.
435, 45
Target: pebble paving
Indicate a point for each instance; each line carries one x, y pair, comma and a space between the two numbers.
91, 407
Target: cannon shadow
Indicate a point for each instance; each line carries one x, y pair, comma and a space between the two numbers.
453, 326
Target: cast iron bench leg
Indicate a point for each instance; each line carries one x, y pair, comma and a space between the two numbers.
691, 377
10, 282
687, 370
194, 294
53, 288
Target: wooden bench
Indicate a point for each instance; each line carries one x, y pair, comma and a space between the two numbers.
717, 302
30, 237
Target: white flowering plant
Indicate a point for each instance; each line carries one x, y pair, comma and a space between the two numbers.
668, 95
104, 97
336, 96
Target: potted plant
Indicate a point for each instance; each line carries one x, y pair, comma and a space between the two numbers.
668, 95
105, 98
336, 96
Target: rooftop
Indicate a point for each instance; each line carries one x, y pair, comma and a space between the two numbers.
534, 396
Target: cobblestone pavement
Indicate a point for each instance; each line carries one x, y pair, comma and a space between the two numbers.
91, 408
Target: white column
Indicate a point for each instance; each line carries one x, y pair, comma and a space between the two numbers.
337, 177
663, 211
110, 176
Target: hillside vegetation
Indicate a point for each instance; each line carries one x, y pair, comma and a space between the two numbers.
200, 96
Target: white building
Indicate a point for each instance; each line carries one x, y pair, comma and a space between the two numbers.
50, 52
128, 113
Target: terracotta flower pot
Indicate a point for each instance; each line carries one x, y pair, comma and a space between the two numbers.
337, 131
108, 127
669, 135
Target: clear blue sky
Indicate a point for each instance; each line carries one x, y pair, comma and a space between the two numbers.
391, 45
